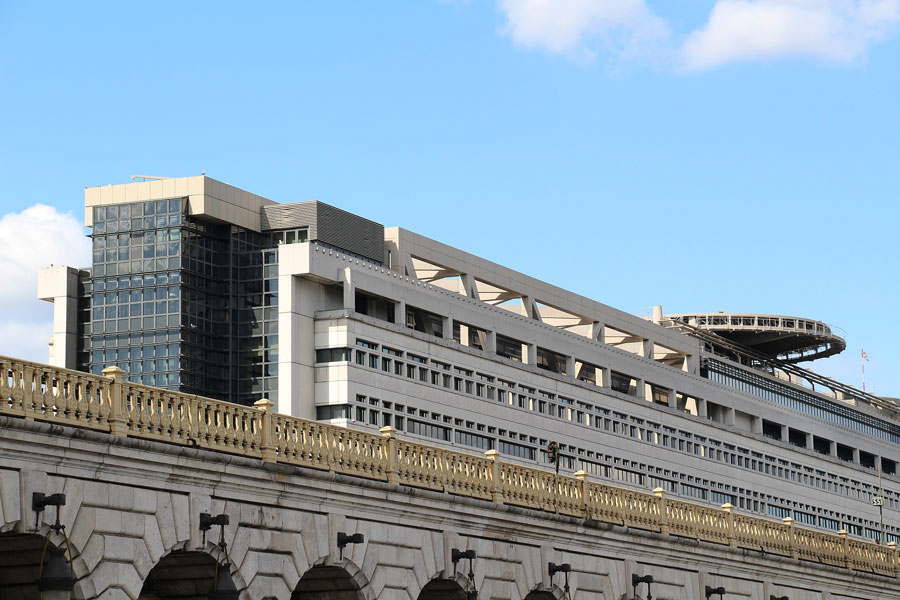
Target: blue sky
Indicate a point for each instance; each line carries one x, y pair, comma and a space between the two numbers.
701, 155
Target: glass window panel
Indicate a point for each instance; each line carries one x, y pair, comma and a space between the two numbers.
112, 226
162, 206
149, 208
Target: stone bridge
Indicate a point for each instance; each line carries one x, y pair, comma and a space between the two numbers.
140, 466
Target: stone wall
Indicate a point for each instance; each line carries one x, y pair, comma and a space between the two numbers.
131, 503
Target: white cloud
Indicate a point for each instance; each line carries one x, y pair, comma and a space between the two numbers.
36, 237
837, 31
834, 31
575, 28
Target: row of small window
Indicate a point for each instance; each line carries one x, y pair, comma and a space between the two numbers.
136, 224
136, 324
136, 238
582, 417
148, 251
136, 338
145, 366
156, 379
807, 403
135, 310
135, 266
146, 294
135, 281
111, 355
148, 208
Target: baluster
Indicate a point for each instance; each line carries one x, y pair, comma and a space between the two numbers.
6, 400
166, 403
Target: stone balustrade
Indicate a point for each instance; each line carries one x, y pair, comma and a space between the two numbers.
110, 404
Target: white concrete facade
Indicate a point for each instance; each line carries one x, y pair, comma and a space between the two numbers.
628, 399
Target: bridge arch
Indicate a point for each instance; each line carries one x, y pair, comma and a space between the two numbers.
553, 593
20, 564
339, 581
184, 575
444, 588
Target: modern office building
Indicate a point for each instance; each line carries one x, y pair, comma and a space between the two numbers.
199, 286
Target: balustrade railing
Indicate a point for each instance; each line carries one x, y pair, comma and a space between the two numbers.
109, 403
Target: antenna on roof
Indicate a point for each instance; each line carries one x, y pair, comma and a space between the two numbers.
146, 177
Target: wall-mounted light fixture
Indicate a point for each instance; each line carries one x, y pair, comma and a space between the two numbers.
717, 591
564, 568
56, 581
457, 555
637, 580
345, 538
223, 587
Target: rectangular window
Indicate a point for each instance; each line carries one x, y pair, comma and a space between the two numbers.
328, 355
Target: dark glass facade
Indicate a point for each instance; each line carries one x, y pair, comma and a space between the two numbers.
181, 303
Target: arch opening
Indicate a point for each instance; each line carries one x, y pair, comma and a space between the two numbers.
540, 595
327, 582
442, 589
20, 565
180, 575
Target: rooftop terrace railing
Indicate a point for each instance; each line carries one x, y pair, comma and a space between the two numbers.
110, 404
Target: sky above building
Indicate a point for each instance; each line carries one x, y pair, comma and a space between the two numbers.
739, 155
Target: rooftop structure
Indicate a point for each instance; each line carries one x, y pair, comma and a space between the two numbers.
790, 339
202, 288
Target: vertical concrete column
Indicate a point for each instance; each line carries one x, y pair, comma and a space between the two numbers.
59, 285
597, 332
603, 377
641, 389
528, 306
784, 433
673, 399
757, 425
809, 441
729, 415
491, 341
529, 353
345, 276
647, 348
400, 312
701, 408
463, 333
856, 456
832, 448
570, 366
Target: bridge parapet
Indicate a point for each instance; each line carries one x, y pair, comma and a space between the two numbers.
109, 404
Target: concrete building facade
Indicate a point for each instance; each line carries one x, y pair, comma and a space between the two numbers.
337, 319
